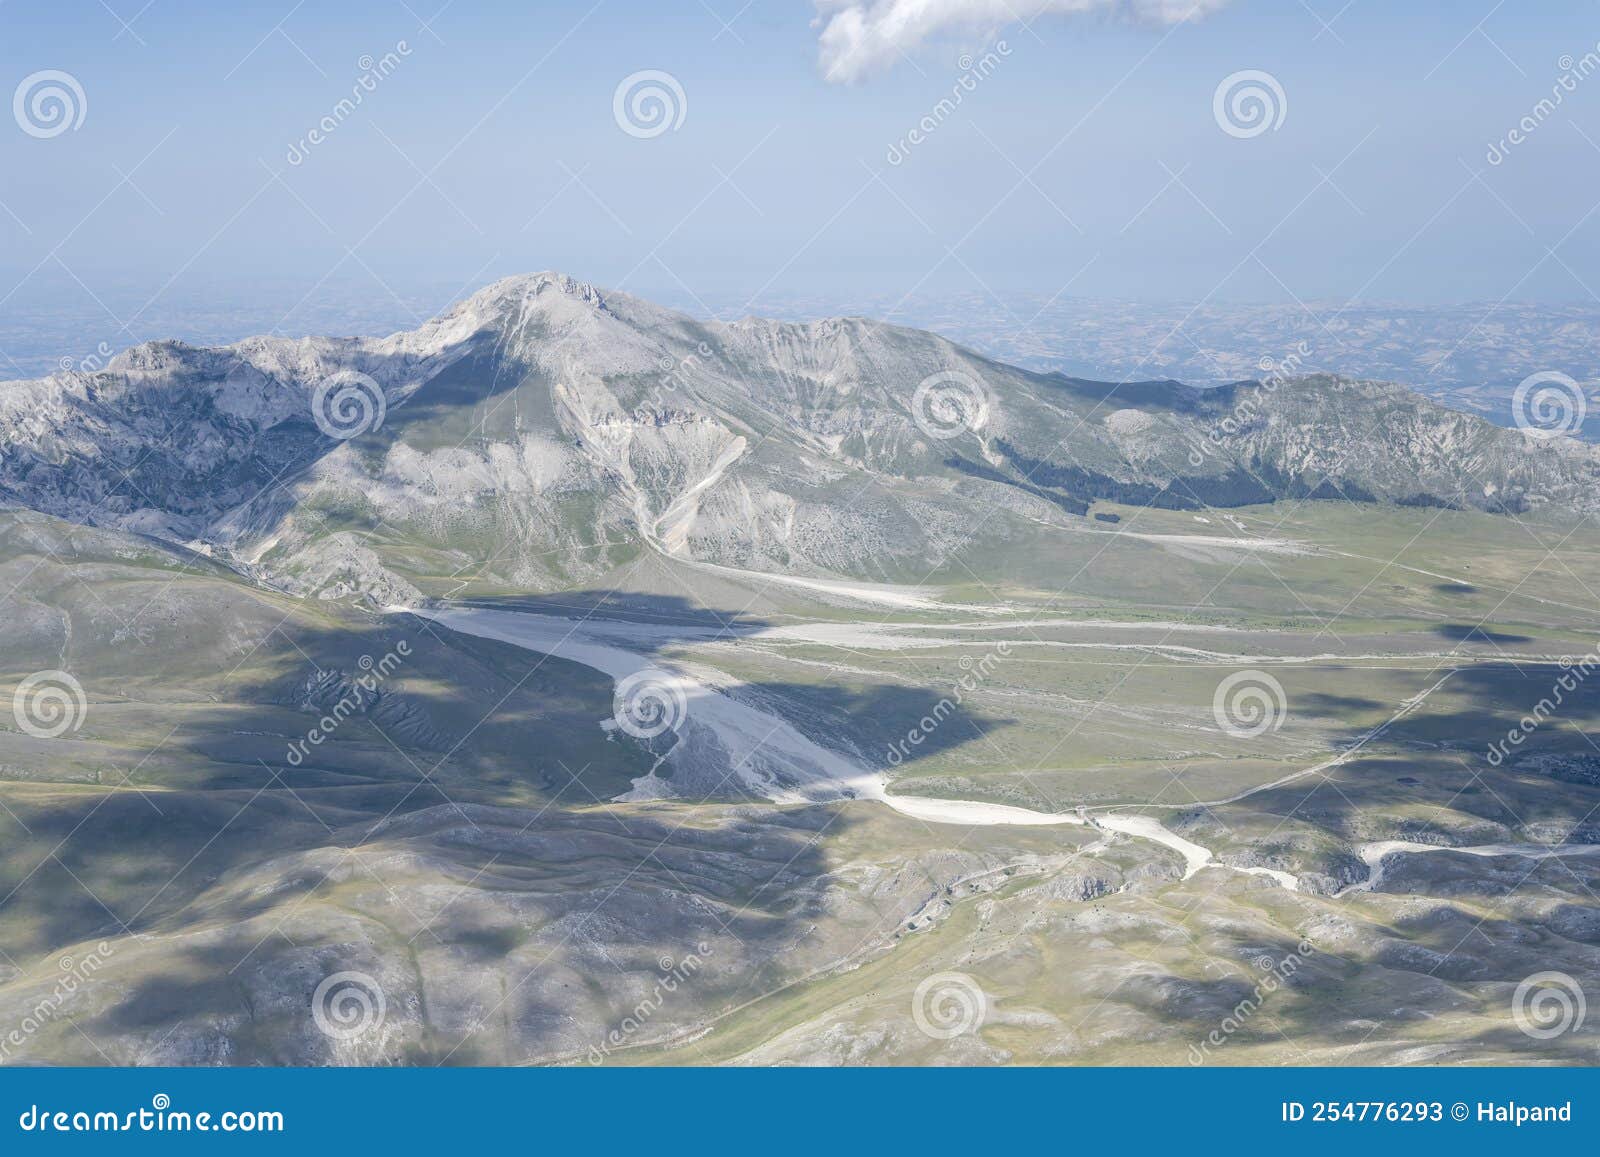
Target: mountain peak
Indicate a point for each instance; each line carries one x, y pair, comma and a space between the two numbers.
521, 289
562, 422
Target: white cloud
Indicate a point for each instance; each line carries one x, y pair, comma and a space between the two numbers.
864, 36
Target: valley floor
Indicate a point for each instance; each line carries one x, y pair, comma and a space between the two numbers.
1254, 818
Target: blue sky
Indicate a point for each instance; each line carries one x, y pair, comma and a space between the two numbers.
1088, 161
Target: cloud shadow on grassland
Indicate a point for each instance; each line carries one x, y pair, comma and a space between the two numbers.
1429, 778
479, 769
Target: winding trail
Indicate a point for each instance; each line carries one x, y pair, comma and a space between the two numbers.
1376, 856
721, 734
767, 755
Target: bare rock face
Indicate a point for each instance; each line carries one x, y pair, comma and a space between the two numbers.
544, 430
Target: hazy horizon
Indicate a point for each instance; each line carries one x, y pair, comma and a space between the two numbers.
486, 141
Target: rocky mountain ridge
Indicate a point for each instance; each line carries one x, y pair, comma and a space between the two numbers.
544, 431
